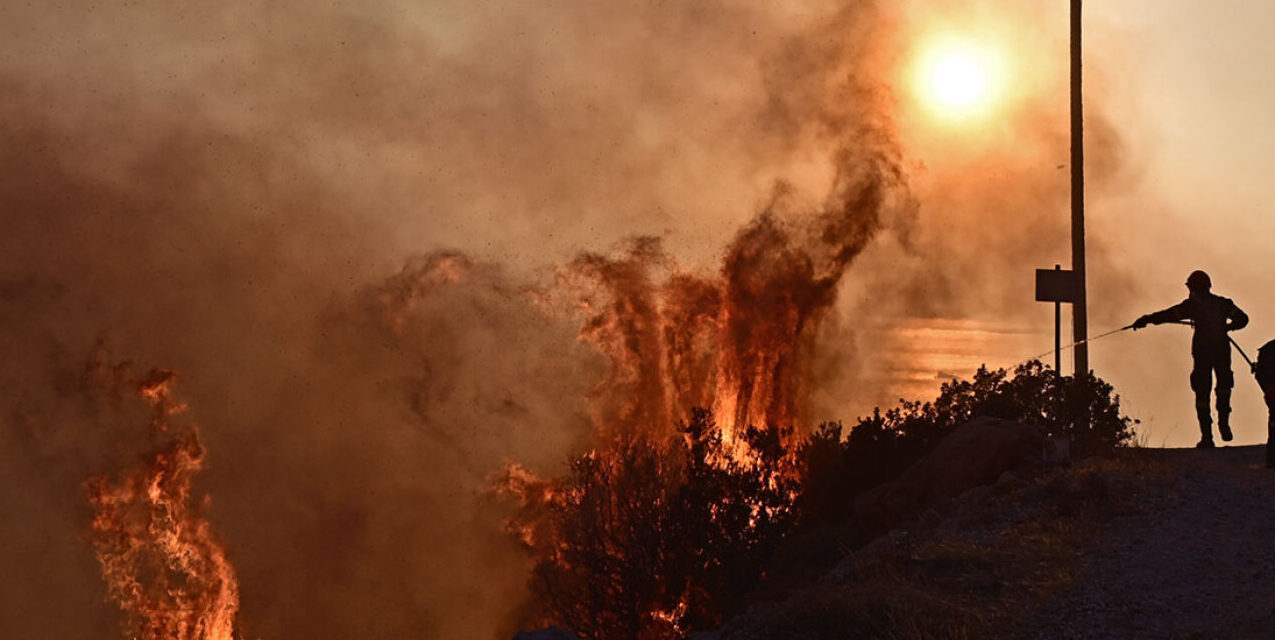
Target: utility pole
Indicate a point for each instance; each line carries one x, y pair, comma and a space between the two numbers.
1079, 310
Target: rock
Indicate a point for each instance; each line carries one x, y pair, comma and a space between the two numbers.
1056, 449
880, 547
548, 633
976, 453
888, 547
975, 496
1009, 481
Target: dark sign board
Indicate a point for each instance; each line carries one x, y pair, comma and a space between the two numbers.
1056, 285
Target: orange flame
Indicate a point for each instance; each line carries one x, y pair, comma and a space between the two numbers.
736, 343
162, 564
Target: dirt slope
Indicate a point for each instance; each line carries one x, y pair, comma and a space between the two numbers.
1150, 543
1195, 559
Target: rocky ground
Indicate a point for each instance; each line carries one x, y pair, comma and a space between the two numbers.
1155, 543
1196, 559
1150, 543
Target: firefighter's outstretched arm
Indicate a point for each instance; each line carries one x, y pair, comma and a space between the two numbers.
1176, 313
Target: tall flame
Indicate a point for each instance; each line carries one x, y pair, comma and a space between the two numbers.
735, 341
162, 564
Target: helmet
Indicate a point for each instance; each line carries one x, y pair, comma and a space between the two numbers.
1199, 280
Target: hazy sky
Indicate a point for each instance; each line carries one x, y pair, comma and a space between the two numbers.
1200, 95
1205, 88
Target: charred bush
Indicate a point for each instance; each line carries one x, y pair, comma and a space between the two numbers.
609, 560
735, 509
648, 539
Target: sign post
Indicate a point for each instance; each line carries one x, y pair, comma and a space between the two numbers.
1057, 286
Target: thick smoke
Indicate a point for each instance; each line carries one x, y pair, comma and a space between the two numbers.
218, 189
367, 235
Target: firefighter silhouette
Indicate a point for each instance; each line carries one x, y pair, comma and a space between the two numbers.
1265, 372
1213, 317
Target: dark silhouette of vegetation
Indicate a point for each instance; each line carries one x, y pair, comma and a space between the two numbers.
651, 539
614, 556
881, 446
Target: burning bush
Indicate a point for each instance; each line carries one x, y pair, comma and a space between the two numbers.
648, 538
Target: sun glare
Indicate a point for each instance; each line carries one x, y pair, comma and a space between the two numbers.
956, 79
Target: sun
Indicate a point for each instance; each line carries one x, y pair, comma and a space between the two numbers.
957, 79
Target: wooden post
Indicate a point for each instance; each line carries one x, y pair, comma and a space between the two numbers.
1079, 310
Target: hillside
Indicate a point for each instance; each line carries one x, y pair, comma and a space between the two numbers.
1193, 559
1153, 543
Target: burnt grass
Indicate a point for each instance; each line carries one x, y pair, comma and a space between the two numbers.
995, 562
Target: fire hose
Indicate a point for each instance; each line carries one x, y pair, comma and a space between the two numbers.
1251, 365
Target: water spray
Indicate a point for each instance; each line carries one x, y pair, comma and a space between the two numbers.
1080, 342
945, 375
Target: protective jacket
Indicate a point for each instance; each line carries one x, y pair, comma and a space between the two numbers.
1213, 316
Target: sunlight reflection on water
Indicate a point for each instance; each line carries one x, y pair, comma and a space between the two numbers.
923, 353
